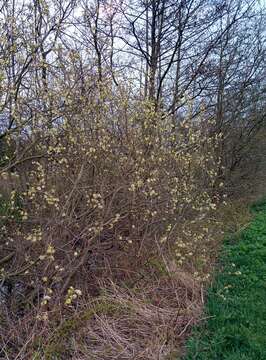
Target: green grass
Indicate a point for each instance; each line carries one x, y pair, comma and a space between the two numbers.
235, 328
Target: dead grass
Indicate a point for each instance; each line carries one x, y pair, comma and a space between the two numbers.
147, 323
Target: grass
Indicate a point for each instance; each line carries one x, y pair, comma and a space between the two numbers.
235, 327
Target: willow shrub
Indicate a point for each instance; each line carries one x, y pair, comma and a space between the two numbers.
123, 180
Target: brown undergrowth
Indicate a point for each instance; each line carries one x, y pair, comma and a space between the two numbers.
143, 313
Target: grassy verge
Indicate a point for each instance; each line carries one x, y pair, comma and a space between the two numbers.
235, 327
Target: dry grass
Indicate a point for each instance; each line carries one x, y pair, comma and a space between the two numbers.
148, 323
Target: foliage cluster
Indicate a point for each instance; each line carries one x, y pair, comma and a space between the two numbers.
105, 196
